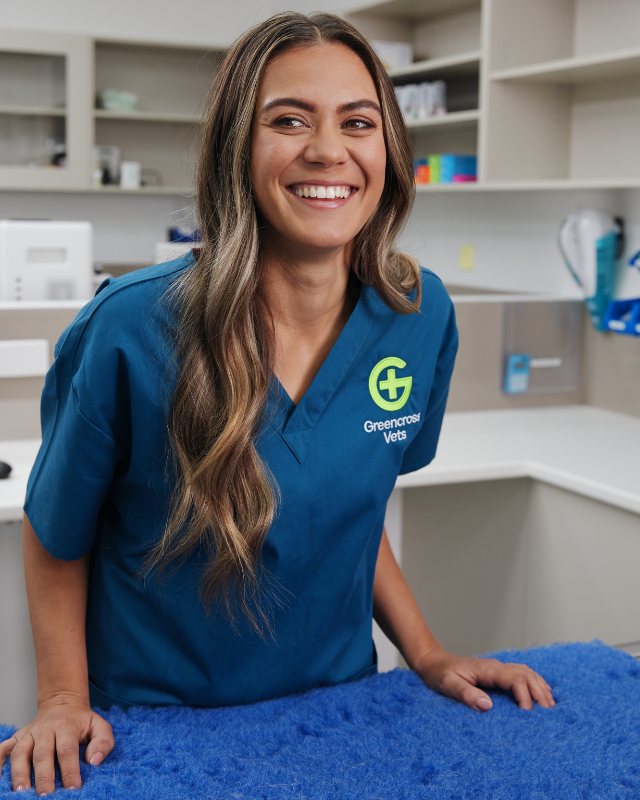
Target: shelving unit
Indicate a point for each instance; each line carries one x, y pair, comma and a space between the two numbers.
546, 94
562, 87
557, 95
48, 90
446, 40
171, 84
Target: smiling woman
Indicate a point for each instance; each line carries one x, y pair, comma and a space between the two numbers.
218, 410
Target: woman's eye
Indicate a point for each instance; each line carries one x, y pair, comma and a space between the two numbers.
288, 122
359, 124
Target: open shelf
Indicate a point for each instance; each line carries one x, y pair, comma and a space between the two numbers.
452, 119
145, 116
585, 69
526, 186
175, 190
444, 67
33, 111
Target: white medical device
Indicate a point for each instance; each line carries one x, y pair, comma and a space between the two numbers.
46, 260
591, 242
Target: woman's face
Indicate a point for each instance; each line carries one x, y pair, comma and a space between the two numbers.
318, 155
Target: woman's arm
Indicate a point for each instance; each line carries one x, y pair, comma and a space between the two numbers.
397, 613
57, 596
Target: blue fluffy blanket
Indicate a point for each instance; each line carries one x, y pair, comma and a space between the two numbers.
387, 736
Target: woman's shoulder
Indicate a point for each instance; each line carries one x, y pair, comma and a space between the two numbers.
434, 292
121, 308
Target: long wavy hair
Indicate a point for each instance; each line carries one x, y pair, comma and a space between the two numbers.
225, 496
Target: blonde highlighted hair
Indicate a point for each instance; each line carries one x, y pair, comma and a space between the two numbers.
225, 496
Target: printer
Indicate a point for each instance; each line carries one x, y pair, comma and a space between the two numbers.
46, 260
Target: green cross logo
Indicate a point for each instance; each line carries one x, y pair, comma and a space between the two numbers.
391, 384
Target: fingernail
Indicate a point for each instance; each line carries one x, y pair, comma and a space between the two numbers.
95, 759
21, 788
483, 703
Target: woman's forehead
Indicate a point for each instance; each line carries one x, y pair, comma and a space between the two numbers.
329, 72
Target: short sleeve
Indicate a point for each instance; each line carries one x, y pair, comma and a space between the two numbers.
75, 465
422, 449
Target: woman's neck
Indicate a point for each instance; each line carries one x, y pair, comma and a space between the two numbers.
310, 301
310, 294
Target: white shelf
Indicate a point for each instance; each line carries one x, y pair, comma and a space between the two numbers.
576, 70
568, 184
179, 190
33, 111
463, 64
452, 119
145, 116
40, 305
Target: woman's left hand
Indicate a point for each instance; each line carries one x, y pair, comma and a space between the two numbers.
459, 677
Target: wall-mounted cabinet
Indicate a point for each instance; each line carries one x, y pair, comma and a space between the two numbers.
556, 99
45, 106
50, 119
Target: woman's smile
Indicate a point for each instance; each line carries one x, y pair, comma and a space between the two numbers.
322, 195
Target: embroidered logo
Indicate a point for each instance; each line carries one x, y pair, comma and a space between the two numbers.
390, 384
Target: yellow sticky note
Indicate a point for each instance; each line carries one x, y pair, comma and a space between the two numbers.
467, 256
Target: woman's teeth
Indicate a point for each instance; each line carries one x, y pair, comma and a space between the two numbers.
324, 192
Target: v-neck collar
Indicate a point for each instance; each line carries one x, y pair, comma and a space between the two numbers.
295, 422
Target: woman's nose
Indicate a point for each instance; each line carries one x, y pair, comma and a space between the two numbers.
326, 146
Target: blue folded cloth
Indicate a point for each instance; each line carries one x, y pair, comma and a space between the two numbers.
388, 736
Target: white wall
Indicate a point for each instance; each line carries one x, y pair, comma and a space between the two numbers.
514, 237
204, 22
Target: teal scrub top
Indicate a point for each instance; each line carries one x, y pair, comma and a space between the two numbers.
100, 485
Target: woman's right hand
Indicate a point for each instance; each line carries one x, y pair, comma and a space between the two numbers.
63, 723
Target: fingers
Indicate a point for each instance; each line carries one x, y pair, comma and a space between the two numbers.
102, 741
7, 746
526, 684
461, 690
21, 761
68, 749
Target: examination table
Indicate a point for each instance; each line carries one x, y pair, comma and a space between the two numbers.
388, 736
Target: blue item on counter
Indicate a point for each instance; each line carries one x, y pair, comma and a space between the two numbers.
634, 261
177, 235
623, 316
386, 736
517, 376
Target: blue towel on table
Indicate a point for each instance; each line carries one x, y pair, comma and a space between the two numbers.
388, 736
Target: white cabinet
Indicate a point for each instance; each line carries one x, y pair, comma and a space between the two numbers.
45, 106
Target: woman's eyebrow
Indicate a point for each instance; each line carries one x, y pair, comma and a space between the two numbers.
289, 101
355, 105
358, 104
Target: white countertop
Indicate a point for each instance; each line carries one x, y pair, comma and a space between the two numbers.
584, 449
581, 448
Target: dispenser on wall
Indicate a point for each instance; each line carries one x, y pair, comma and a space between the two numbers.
591, 242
